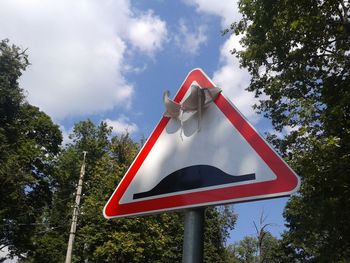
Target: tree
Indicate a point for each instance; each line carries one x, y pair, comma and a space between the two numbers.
261, 248
244, 251
266, 243
218, 222
298, 55
251, 250
29, 143
85, 137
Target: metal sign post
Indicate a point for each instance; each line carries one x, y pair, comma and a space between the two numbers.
193, 236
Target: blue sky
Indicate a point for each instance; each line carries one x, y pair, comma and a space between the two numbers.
112, 60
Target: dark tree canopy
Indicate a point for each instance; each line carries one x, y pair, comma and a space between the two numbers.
298, 55
29, 143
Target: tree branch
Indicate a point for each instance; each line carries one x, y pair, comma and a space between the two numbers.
345, 9
345, 17
340, 14
3, 246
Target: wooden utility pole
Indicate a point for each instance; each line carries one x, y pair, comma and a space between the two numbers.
75, 213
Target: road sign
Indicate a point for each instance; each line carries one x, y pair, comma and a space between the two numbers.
179, 166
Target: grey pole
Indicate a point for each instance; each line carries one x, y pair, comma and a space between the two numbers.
75, 213
193, 236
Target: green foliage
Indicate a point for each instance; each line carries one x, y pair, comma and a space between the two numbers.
244, 251
298, 55
29, 143
251, 250
12, 63
261, 248
218, 222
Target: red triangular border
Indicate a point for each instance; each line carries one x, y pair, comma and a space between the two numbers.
286, 182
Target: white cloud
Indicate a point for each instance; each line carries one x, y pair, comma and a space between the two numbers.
147, 32
190, 40
234, 80
122, 125
226, 9
77, 50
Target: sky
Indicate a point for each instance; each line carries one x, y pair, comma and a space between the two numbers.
112, 60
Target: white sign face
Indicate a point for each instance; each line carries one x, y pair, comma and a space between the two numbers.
180, 166
217, 144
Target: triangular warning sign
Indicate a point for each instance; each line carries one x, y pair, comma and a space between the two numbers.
179, 166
